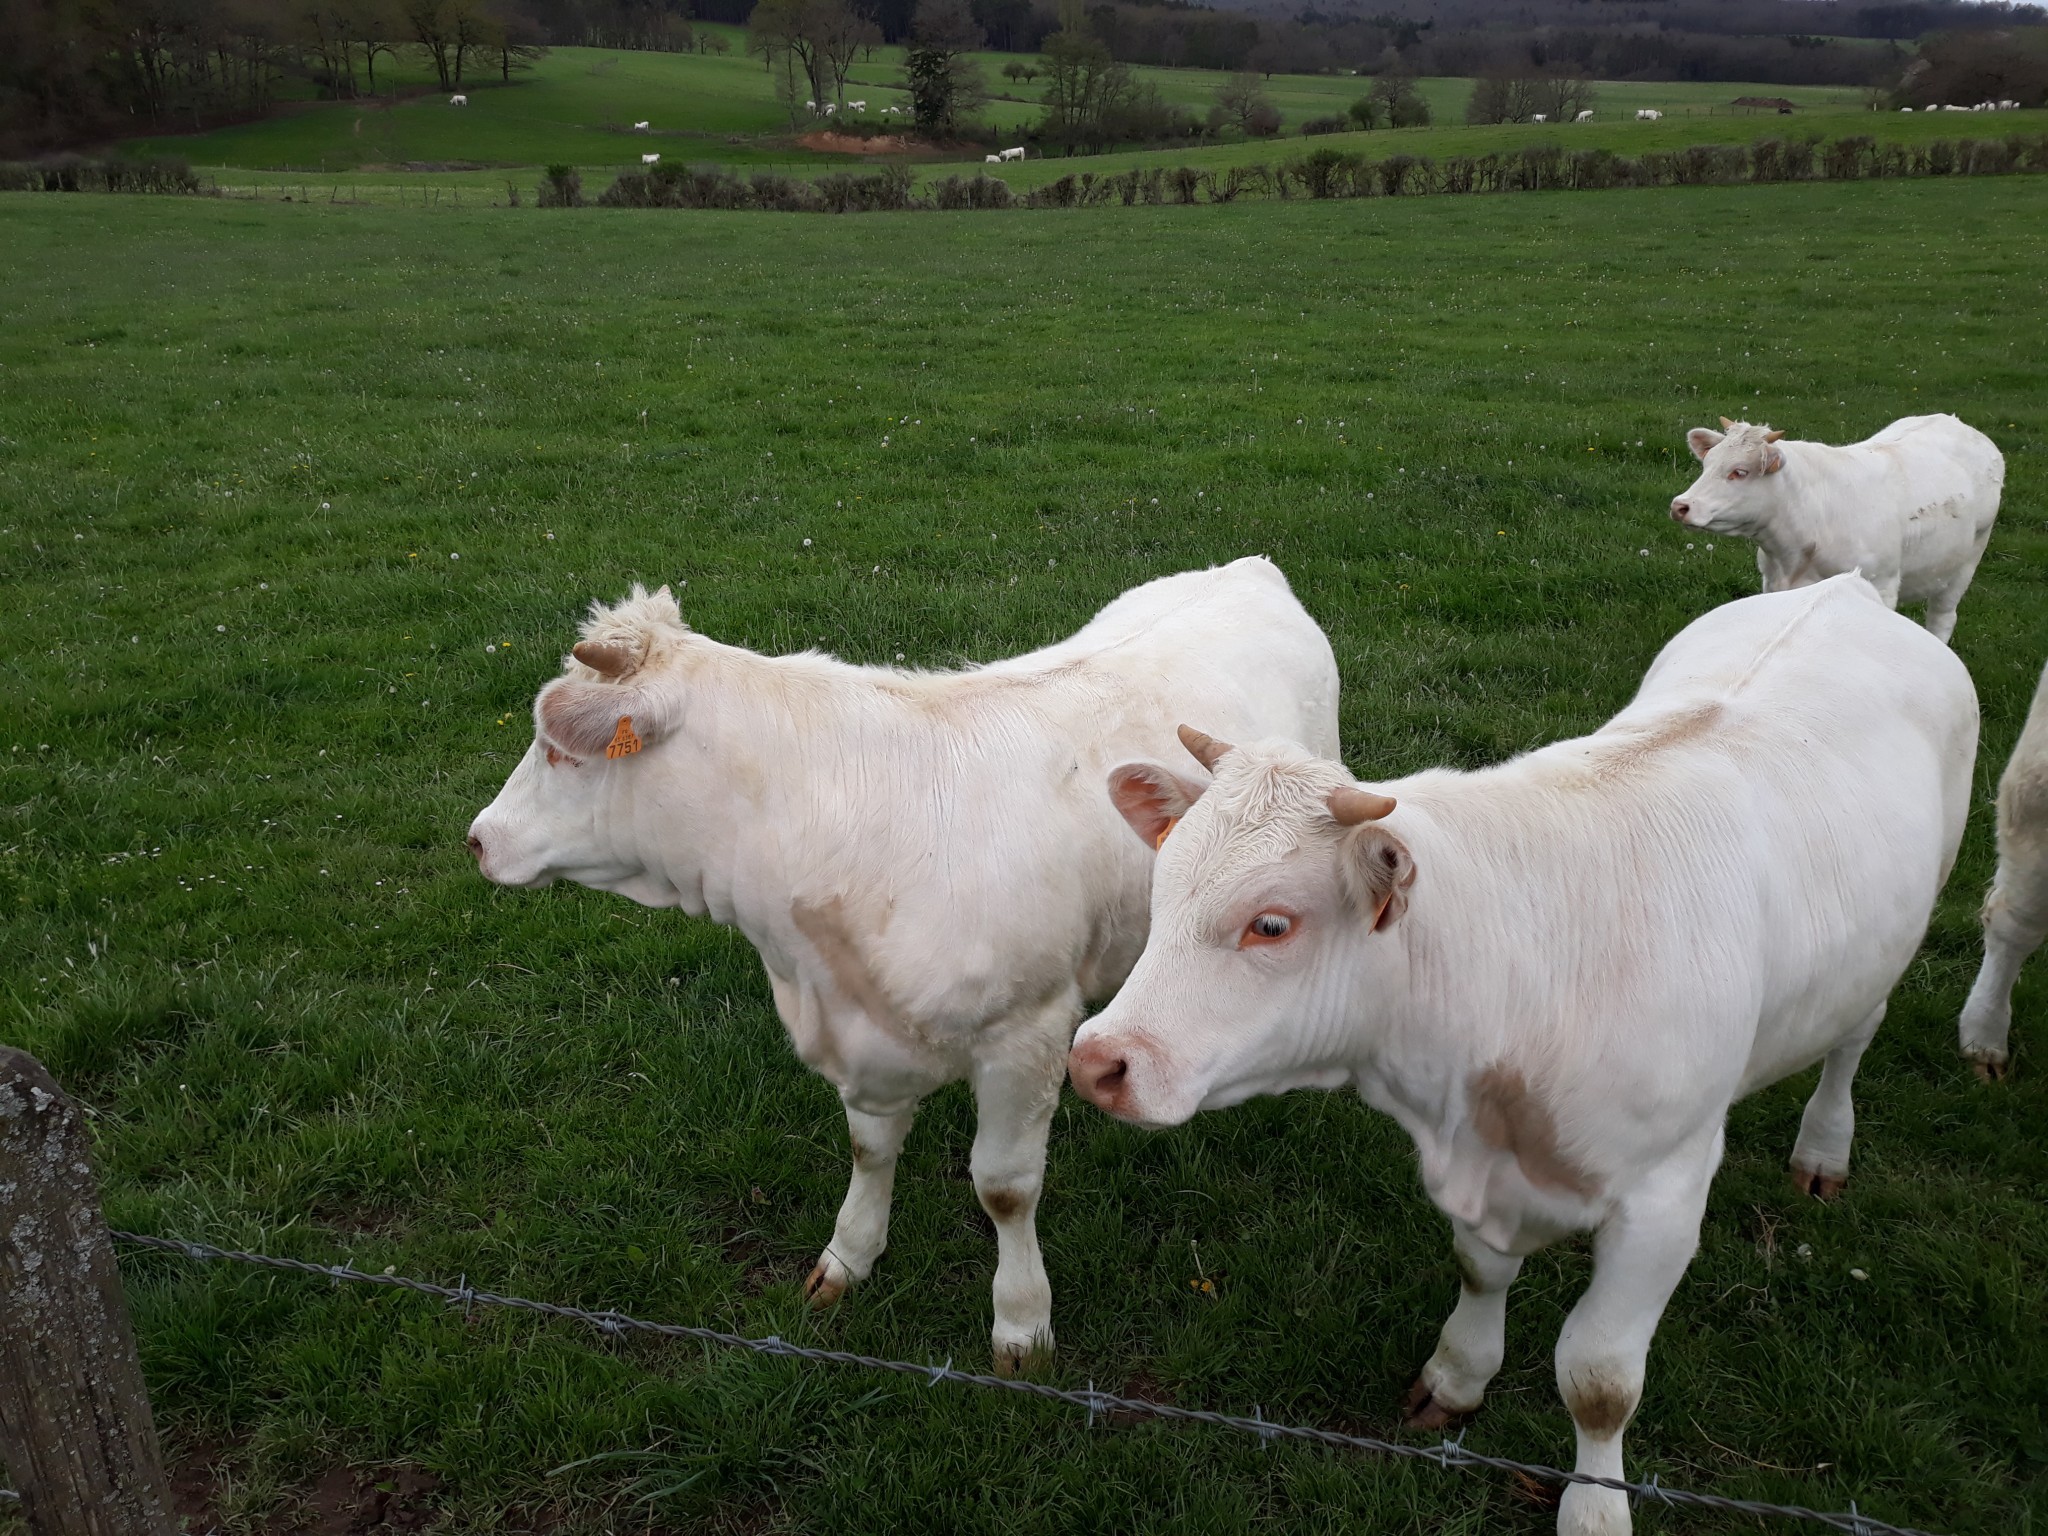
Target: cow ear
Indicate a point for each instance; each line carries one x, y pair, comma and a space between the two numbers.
1702, 440
1377, 870
589, 720
1152, 798
1774, 461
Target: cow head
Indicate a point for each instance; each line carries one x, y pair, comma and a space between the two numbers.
1273, 897
596, 727
1737, 487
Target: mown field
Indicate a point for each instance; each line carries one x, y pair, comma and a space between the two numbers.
299, 506
578, 104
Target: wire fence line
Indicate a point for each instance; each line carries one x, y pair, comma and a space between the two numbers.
1449, 1454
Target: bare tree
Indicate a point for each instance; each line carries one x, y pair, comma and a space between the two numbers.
1241, 101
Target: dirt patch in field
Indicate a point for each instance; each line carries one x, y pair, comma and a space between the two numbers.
827, 142
342, 1501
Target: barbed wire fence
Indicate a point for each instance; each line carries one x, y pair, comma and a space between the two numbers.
1450, 1454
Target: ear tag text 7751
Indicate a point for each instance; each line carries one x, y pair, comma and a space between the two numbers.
623, 743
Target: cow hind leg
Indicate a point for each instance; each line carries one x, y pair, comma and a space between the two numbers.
1941, 608
1016, 1088
2013, 929
1639, 1255
1474, 1337
1820, 1158
862, 1231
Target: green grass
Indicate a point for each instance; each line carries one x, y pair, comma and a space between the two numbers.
254, 703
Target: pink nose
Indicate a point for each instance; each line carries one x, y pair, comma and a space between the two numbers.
1100, 1073
476, 847
1679, 509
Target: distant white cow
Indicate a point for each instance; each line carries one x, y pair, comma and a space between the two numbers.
458, 101
1911, 508
1558, 974
650, 159
925, 861
1905, 109
2008, 106
2016, 911
1585, 116
1953, 108
857, 106
1647, 114
640, 127
1014, 154
993, 159
1539, 117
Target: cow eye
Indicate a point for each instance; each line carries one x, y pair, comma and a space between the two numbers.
1737, 474
1267, 928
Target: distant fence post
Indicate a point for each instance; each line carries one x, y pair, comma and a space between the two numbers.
75, 1428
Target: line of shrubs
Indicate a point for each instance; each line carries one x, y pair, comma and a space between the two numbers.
81, 173
1325, 173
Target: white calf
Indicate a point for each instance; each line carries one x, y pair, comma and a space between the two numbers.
923, 860
458, 101
993, 159
2016, 911
1911, 508
1559, 973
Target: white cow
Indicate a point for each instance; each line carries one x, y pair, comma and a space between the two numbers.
1539, 117
857, 106
993, 159
1016, 153
1558, 973
1912, 507
2016, 911
650, 159
458, 101
1585, 116
641, 127
924, 860
1647, 114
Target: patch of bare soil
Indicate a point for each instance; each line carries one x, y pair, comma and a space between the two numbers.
342, 1501
828, 142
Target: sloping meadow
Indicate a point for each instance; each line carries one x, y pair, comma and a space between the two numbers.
300, 505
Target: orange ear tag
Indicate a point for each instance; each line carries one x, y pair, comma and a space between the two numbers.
623, 743
1165, 832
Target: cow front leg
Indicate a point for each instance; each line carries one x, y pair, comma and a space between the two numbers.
1639, 1254
1016, 1088
2014, 926
1820, 1158
862, 1231
1474, 1337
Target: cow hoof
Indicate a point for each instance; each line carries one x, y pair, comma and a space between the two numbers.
1822, 1186
1422, 1411
1990, 1069
825, 1285
1023, 1354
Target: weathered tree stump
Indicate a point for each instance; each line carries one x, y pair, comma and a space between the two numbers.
75, 1428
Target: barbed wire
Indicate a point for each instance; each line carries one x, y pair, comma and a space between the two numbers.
1449, 1454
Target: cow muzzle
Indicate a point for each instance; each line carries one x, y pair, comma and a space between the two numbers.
1101, 1073
1681, 511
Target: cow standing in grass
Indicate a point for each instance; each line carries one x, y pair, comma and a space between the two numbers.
1558, 973
924, 860
2016, 911
1911, 508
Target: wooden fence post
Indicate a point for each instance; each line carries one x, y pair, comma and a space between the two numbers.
75, 1428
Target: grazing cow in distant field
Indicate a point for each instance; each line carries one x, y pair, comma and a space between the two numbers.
925, 861
458, 101
1911, 508
1647, 114
2016, 911
1539, 117
1014, 154
1557, 974
993, 159
1585, 116
857, 106
650, 159
640, 127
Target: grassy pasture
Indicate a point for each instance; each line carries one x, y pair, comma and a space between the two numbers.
576, 105
256, 696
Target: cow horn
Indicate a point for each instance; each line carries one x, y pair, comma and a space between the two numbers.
1772, 436
1351, 805
1206, 748
1729, 426
613, 661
